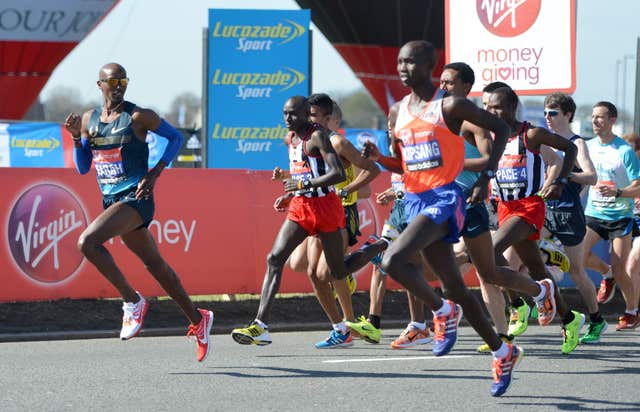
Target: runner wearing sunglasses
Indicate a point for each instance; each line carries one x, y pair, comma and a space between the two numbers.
113, 138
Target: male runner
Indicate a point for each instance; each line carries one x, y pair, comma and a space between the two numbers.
113, 137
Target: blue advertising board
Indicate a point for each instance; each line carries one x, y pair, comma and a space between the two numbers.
257, 59
35, 145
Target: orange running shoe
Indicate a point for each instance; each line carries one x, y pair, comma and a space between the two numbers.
547, 306
627, 321
411, 336
201, 332
607, 290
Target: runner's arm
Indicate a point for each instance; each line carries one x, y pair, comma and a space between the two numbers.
588, 176
346, 150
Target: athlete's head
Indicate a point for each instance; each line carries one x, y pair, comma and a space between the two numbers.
603, 117
113, 81
321, 107
503, 103
457, 78
488, 89
559, 109
416, 60
296, 112
336, 118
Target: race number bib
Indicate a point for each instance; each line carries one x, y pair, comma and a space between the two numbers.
512, 172
300, 171
109, 165
423, 155
603, 201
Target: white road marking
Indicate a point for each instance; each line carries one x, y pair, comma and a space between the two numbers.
394, 359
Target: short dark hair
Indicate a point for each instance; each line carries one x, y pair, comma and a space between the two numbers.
336, 110
613, 112
465, 72
491, 87
562, 101
323, 101
512, 97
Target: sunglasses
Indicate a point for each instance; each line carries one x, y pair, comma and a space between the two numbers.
113, 82
551, 113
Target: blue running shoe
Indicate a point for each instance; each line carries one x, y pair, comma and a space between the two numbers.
446, 330
503, 370
336, 340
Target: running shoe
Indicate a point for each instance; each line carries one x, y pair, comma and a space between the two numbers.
411, 336
201, 332
594, 332
336, 340
503, 369
534, 312
627, 321
554, 255
484, 348
251, 335
571, 332
365, 330
351, 282
547, 306
519, 321
607, 290
446, 330
133, 317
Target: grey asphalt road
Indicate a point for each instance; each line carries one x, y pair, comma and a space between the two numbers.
160, 373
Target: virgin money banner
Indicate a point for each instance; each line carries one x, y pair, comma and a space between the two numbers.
257, 59
528, 44
215, 238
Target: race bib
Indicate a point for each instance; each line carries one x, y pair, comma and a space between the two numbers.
603, 201
422, 155
109, 165
512, 172
300, 171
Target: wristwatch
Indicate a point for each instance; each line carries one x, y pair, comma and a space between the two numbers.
343, 193
618, 192
306, 183
489, 173
560, 180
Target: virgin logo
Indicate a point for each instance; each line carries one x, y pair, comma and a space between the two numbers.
43, 229
508, 18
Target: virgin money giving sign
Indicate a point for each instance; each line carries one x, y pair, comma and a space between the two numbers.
528, 44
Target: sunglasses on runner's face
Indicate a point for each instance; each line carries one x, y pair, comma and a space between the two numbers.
113, 82
551, 113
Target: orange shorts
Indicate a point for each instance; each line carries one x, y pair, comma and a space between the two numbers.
530, 209
317, 214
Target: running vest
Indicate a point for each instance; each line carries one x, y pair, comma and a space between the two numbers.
432, 155
303, 166
467, 179
350, 173
120, 158
520, 171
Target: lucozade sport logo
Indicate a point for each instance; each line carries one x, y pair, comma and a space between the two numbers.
43, 230
508, 18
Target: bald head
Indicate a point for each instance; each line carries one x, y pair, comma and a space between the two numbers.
112, 70
422, 51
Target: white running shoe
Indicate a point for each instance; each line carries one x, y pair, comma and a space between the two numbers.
133, 317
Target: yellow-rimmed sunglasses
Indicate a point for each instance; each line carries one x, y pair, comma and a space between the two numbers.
113, 82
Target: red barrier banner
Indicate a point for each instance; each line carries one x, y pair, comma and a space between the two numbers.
214, 227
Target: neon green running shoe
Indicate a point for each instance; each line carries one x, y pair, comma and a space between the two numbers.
534, 312
365, 330
571, 333
594, 331
484, 348
352, 282
519, 321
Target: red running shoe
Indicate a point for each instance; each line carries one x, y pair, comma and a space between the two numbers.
201, 332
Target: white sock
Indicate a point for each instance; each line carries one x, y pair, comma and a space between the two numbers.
543, 291
609, 274
340, 327
502, 352
632, 312
444, 310
261, 323
419, 325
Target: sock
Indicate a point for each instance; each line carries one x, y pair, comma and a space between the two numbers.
340, 327
261, 324
502, 352
595, 317
608, 274
444, 310
543, 292
419, 325
517, 302
632, 312
568, 318
375, 321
